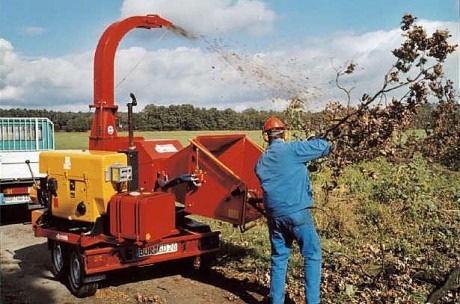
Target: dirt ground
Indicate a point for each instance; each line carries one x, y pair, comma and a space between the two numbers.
25, 278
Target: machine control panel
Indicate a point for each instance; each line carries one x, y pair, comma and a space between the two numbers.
119, 173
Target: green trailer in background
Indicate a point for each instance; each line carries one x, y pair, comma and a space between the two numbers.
21, 141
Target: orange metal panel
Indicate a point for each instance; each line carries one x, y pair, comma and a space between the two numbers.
227, 162
142, 216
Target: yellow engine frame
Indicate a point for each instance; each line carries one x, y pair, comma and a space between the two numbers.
83, 177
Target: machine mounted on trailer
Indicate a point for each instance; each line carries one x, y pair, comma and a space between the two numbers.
127, 201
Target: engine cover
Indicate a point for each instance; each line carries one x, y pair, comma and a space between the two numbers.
85, 181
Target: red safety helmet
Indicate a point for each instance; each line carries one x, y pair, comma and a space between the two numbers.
272, 127
273, 123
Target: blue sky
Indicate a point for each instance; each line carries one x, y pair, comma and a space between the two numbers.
284, 48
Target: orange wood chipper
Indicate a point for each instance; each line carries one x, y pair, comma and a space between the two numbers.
128, 201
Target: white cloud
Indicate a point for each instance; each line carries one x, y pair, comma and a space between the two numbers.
32, 31
54, 83
320, 59
207, 16
179, 75
210, 73
9, 61
11, 92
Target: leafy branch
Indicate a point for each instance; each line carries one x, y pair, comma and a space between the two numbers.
368, 130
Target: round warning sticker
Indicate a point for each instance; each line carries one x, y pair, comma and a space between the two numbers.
110, 130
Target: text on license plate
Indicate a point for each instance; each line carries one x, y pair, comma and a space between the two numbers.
156, 249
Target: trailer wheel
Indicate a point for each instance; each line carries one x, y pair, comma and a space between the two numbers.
59, 259
76, 277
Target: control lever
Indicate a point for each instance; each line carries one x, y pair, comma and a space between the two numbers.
32, 173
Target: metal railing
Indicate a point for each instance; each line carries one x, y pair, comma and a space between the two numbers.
26, 134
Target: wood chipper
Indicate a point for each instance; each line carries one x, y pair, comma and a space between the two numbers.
128, 201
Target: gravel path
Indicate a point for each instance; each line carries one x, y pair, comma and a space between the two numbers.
25, 278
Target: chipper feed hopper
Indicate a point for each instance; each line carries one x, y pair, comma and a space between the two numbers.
128, 201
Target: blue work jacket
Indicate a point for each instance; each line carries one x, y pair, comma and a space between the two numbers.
284, 176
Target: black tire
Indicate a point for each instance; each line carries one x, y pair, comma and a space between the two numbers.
59, 259
76, 277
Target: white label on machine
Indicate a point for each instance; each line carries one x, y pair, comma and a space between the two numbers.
67, 163
110, 130
62, 237
156, 250
165, 148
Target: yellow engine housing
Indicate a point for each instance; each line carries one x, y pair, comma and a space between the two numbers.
83, 177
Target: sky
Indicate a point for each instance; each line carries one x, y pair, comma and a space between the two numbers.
243, 54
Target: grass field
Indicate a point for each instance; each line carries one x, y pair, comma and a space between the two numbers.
79, 140
389, 232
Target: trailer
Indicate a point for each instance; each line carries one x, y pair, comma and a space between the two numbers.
129, 202
21, 141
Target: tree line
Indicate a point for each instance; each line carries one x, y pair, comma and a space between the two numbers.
184, 117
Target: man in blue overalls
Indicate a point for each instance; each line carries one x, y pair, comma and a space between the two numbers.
287, 197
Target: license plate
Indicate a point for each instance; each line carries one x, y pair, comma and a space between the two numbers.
156, 250
17, 199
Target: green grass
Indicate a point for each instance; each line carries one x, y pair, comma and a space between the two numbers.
71, 140
79, 140
384, 223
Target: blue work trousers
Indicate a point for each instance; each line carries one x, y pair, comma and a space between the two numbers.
298, 226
